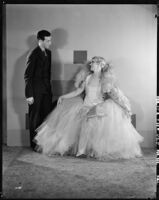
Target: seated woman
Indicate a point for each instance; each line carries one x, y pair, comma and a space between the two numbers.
98, 125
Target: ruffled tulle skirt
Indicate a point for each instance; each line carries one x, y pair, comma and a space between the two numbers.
69, 130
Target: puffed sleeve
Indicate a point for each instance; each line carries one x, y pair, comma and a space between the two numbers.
117, 95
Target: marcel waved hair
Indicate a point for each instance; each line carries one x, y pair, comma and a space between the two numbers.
107, 76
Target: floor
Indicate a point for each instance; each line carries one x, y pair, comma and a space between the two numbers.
29, 175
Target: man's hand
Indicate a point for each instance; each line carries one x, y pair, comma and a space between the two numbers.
30, 100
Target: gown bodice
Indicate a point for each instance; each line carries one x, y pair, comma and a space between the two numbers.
93, 93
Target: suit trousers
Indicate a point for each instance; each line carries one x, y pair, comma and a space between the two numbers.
38, 111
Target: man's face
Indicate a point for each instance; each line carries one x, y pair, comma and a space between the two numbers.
47, 42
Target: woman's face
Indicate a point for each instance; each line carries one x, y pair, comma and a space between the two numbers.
96, 67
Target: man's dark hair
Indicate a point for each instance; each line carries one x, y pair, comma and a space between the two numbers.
42, 34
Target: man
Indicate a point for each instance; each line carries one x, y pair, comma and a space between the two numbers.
38, 84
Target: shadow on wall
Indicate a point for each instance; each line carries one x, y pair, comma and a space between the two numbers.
149, 135
59, 40
18, 86
127, 66
137, 109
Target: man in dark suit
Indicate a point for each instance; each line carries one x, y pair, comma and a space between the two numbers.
38, 83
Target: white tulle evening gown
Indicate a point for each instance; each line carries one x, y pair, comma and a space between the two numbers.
72, 129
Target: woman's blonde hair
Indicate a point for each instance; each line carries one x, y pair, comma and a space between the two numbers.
106, 77
98, 59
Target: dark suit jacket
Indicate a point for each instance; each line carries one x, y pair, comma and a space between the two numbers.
38, 73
